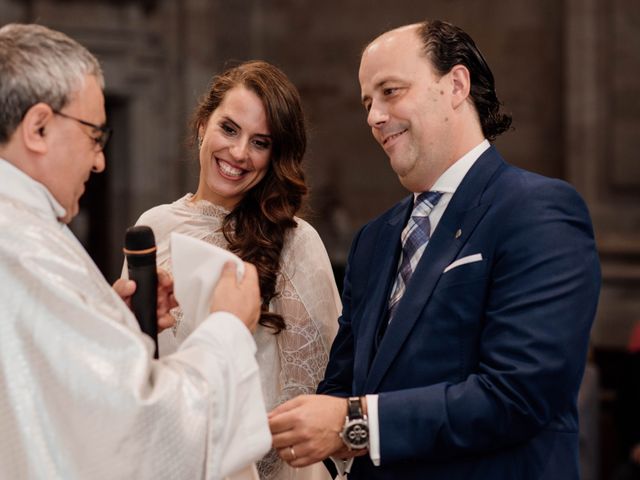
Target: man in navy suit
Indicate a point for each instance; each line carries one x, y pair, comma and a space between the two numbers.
460, 353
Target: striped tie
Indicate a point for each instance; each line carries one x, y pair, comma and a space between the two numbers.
415, 237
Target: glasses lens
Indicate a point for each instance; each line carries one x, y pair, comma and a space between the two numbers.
104, 138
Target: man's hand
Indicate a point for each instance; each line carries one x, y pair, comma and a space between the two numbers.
307, 429
125, 289
166, 301
241, 299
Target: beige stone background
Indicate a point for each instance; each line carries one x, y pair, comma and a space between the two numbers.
567, 70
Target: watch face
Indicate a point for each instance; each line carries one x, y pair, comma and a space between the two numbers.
357, 434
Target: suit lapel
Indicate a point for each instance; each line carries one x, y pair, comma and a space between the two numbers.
382, 274
463, 213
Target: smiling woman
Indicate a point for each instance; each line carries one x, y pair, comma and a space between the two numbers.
251, 139
235, 147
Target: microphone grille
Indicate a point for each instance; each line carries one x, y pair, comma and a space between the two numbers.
139, 237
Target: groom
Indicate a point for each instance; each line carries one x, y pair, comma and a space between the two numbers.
467, 306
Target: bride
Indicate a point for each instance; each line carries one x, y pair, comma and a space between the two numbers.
251, 139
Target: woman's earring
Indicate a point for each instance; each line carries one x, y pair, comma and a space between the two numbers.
199, 142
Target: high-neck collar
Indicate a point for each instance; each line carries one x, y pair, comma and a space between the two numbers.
204, 207
17, 185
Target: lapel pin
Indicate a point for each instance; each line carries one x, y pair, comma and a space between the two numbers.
458, 233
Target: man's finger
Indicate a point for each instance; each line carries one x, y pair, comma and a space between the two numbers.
300, 460
285, 439
250, 273
124, 288
228, 270
286, 406
283, 422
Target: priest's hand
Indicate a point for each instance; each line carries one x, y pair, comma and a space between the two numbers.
166, 300
241, 299
306, 429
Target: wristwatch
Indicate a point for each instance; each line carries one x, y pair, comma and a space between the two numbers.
355, 432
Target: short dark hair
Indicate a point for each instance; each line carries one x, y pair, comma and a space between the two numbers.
446, 46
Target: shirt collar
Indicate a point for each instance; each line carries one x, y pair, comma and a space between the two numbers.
452, 177
19, 186
448, 182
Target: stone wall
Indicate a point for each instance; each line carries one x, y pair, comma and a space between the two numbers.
566, 70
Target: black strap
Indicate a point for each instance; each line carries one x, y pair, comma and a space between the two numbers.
354, 408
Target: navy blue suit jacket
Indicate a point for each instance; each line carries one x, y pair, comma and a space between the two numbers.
479, 371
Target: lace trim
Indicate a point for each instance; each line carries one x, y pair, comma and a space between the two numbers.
204, 207
303, 357
270, 465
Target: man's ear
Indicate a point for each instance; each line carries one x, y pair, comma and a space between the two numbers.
461, 79
34, 127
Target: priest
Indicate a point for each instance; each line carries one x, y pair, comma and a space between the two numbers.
80, 394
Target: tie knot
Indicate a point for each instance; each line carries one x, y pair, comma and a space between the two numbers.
425, 203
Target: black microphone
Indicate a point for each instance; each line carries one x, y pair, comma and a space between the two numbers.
140, 251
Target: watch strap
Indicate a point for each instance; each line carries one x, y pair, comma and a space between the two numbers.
354, 408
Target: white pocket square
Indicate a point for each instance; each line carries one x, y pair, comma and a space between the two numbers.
463, 261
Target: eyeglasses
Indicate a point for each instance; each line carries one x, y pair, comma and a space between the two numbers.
105, 132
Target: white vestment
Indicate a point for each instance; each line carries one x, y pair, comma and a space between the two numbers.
293, 362
80, 395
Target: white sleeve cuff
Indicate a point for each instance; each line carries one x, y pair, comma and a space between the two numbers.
374, 429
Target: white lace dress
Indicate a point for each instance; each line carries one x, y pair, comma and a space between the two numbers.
293, 362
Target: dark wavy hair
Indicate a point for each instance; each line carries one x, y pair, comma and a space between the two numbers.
257, 226
447, 46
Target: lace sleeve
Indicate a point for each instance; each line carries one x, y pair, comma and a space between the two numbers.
310, 305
